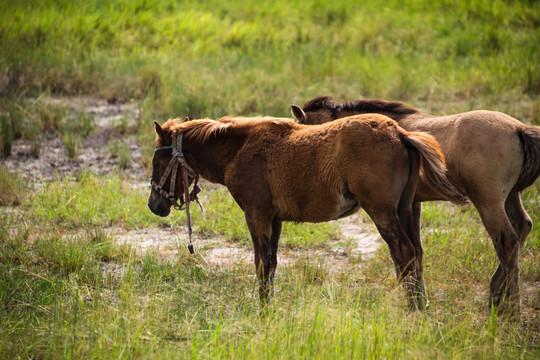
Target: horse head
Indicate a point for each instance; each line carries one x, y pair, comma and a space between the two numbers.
171, 175
319, 110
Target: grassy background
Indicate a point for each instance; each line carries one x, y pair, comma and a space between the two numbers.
217, 57
69, 290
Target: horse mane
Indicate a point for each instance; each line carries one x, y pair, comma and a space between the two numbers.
360, 106
201, 130
320, 102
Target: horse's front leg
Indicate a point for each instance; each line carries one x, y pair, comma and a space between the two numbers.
265, 234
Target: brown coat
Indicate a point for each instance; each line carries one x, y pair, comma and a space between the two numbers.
278, 170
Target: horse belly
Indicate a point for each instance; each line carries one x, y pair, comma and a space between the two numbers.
343, 206
317, 209
347, 205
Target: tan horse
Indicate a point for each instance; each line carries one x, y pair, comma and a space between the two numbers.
278, 170
491, 157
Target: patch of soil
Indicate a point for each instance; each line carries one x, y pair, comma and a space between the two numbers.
362, 243
94, 152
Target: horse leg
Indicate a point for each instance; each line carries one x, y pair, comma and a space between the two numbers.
265, 234
522, 224
411, 223
274, 240
504, 284
404, 254
521, 221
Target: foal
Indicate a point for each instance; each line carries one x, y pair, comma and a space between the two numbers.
491, 156
278, 170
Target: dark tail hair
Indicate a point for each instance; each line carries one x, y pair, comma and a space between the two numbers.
530, 139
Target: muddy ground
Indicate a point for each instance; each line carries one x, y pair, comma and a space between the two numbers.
95, 156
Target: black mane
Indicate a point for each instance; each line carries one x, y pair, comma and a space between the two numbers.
320, 102
360, 106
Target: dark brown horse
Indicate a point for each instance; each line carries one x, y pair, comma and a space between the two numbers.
278, 170
491, 157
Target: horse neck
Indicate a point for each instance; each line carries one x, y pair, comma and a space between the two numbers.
209, 159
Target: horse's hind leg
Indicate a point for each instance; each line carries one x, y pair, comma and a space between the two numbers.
521, 221
522, 224
404, 254
504, 285
411, 223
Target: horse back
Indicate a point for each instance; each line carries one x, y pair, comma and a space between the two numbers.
320, 173
471, 141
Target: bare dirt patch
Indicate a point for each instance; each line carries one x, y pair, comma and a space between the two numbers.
94, 153
361, 244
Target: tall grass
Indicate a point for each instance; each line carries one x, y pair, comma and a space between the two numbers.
81, 294
67, 303
246, 57
29, 118
91, 201
13, 188
69, 290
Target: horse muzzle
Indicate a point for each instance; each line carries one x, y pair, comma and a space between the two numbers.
159, 206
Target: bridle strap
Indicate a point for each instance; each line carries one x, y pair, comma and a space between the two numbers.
187, 171
179, 155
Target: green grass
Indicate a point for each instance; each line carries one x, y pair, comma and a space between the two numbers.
120, 151
90, 201
13, 188
69, 289
73, 130
246, 57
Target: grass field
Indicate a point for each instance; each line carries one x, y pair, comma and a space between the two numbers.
70, 289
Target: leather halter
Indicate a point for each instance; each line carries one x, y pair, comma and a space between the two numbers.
178, 159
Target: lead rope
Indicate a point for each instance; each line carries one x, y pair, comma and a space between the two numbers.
177, 153
188, 216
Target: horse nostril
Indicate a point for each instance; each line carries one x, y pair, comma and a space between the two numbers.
165, 211
158, 208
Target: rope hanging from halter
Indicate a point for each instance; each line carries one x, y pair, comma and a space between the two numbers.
178, 159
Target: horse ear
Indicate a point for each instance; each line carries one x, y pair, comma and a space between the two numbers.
159, 130
298, 113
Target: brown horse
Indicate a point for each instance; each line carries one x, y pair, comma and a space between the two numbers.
491, 157
278, 170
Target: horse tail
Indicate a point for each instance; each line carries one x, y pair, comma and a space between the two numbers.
530, 140
433, 165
